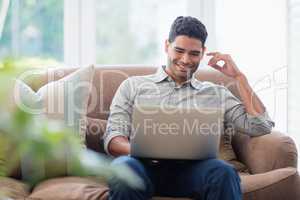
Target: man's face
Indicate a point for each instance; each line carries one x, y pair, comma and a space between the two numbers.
184, 56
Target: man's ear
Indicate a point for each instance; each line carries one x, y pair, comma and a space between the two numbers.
167, 44
204, 51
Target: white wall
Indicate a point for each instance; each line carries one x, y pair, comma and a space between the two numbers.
254, 32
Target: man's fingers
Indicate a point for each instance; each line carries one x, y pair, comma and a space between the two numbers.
212, 53
217, 67
216, 58
219, 55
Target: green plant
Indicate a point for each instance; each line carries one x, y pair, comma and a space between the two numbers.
22, 134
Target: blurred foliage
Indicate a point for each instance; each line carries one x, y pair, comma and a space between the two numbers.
23, 134
26, 62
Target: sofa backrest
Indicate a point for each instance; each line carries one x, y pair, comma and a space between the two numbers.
106, 81
108, 78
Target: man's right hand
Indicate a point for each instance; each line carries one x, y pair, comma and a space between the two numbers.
119, 146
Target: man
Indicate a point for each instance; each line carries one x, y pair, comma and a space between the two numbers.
174, 84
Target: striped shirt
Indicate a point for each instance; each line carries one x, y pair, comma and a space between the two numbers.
160, 89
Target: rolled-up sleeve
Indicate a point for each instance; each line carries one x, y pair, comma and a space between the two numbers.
119, 121
236, 114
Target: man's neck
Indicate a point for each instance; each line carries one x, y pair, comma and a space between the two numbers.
178, 81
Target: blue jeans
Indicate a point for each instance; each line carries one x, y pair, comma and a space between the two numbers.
210, 179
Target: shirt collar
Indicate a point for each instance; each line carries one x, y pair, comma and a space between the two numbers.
162, 75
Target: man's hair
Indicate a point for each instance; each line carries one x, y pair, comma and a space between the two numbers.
188, 26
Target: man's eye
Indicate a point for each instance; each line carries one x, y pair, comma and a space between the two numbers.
179, 51
195, 54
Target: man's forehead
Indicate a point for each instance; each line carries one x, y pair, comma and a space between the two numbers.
187, 47
187, 43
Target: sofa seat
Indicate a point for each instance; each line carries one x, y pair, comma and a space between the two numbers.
70, 188
270, 183
14, 189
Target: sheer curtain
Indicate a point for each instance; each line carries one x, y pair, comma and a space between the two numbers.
3, 14
294, 70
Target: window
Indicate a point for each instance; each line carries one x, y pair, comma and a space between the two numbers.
33, 30
79, 32
119, 32
134, 31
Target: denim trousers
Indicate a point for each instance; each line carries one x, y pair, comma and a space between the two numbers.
210, 179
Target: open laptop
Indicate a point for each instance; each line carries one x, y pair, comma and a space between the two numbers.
175, 133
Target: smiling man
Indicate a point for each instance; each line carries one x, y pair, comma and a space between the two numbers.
174, 85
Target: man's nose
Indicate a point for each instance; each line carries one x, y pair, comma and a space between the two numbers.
185, 59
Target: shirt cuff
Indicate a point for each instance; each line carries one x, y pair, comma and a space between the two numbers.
260, 125
260, 118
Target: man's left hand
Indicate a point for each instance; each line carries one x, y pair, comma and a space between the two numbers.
229, 68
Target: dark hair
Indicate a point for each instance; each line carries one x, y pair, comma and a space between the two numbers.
188, 26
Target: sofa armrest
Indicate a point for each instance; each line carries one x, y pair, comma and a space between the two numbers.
265, 153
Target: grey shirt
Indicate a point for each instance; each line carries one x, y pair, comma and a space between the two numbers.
160, 89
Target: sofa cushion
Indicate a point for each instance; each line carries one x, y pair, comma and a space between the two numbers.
65, 100
3, 155
94, 133
8, 167
227, 153
71, 188
13, 189
62, 100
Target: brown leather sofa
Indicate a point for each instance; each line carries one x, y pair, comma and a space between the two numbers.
271, 160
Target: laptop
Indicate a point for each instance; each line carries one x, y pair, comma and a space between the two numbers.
175, 132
